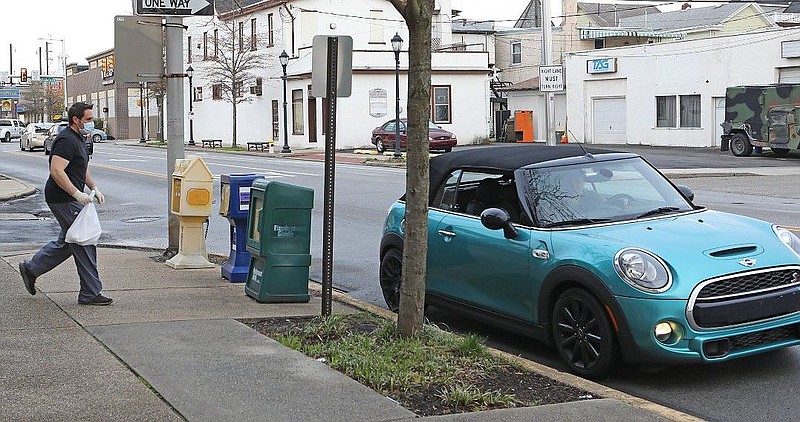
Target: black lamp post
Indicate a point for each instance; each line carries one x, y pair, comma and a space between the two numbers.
141, 113
397, 45
284, 58
189, 73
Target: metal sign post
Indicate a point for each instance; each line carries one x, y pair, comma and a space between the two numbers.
333, 58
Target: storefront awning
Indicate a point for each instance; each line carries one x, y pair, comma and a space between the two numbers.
590, 34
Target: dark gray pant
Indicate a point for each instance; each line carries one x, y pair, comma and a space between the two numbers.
57, 251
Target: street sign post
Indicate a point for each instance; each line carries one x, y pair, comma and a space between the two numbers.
551, 78
331, 75
175, 7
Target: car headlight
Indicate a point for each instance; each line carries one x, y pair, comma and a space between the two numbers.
643, 270
430, 138
788, 238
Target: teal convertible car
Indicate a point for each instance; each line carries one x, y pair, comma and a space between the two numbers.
599, 255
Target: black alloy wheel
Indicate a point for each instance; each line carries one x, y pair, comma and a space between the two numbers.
740, 145
583, 335
391, 277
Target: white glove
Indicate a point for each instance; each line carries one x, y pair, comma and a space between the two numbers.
81, 197
99, 196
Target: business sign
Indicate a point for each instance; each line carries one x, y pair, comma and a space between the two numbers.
175, 7
11, 93
378, 102
551, 78
608, 65
5, 105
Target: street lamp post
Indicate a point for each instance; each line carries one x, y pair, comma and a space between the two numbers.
189, 73
284, 59
141, 112
397, 45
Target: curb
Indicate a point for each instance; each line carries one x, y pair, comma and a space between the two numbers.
28, 189
563, 377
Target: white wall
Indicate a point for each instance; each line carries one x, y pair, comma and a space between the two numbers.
535, 101
373, 63
705, 67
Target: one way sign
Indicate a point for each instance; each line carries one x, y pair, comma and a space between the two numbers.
175, 7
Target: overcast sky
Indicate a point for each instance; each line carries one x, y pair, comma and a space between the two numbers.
88, 26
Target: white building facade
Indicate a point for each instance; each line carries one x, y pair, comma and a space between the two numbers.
671, 94
460, 79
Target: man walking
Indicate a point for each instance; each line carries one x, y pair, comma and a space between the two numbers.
69, 174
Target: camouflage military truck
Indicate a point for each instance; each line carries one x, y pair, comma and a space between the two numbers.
762, 116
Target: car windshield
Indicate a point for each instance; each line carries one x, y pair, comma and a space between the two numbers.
598, 192
42, 127
432, 126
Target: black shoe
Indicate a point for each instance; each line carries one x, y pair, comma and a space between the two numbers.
27, 277
98, 300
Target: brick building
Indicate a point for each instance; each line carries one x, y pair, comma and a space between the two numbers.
117, 103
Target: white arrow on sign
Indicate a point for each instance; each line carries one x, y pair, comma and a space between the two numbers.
198, 5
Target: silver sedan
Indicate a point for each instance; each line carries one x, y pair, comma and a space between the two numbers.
34, 136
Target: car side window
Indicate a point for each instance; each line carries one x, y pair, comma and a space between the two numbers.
5, 123
446, 197
402, 127
389, 127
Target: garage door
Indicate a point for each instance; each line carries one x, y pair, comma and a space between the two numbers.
789, 75
609, 120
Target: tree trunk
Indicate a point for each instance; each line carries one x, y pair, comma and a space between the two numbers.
234, 122
418, 15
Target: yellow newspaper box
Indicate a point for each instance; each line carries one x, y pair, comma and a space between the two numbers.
192, 184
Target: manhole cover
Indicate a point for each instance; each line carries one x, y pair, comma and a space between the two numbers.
141, 220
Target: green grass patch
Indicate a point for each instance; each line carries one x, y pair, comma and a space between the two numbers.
236, 148
157, 143
369, 350
470, 398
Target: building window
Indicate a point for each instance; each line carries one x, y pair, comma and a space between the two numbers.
216, 43
376, 27
238, 89
441, 104
270, 30
599, 43
241, 36
216, 92
257, 89
189, 48
665, 111
253, 40
297, 112
275, 123
205, 45
516, 52
690, 111
198, 93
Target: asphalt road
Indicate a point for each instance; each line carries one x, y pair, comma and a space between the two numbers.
134, 181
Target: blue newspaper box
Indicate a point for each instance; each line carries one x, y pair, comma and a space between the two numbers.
234, 205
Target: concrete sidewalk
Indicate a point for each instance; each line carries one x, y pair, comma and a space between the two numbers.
169, 348
11, 188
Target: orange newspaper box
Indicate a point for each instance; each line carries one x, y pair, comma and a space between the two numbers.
523, 125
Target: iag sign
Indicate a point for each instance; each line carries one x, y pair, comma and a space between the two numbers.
607, 65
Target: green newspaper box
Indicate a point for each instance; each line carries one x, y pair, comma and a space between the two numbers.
279, 242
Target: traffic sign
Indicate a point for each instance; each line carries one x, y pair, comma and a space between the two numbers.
175, 7
551, 78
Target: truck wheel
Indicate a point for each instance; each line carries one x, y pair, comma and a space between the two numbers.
8, 137
740, 145
780, 152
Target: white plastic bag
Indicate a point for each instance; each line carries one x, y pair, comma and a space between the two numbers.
85, 230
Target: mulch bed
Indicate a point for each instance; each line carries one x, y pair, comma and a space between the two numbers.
529, 388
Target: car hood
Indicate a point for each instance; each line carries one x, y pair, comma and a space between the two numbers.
696, 246
438, 132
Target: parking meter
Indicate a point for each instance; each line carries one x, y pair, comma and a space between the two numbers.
235, 206
279, 242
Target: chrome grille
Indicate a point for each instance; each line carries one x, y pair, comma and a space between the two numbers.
749, 283
774, 335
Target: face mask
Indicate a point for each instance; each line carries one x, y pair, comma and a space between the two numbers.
88, 127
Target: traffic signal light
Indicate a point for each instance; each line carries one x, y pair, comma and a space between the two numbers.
103, 65
23, 75
110, 62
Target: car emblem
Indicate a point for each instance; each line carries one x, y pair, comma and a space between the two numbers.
747, 262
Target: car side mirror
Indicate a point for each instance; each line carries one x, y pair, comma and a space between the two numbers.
496, 219
686, 192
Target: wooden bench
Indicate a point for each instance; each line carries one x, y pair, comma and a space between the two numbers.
258, 145
212, 143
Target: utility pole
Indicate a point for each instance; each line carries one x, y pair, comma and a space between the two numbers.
175, 138
547, 59
40, 60
47, 57
10, 63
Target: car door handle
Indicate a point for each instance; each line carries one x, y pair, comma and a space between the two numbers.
447, 233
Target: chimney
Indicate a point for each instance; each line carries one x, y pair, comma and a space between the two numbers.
686, 6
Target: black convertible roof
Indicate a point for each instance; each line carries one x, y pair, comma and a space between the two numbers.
501, 158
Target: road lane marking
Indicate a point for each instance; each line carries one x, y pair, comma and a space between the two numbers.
123, 160
128, 170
